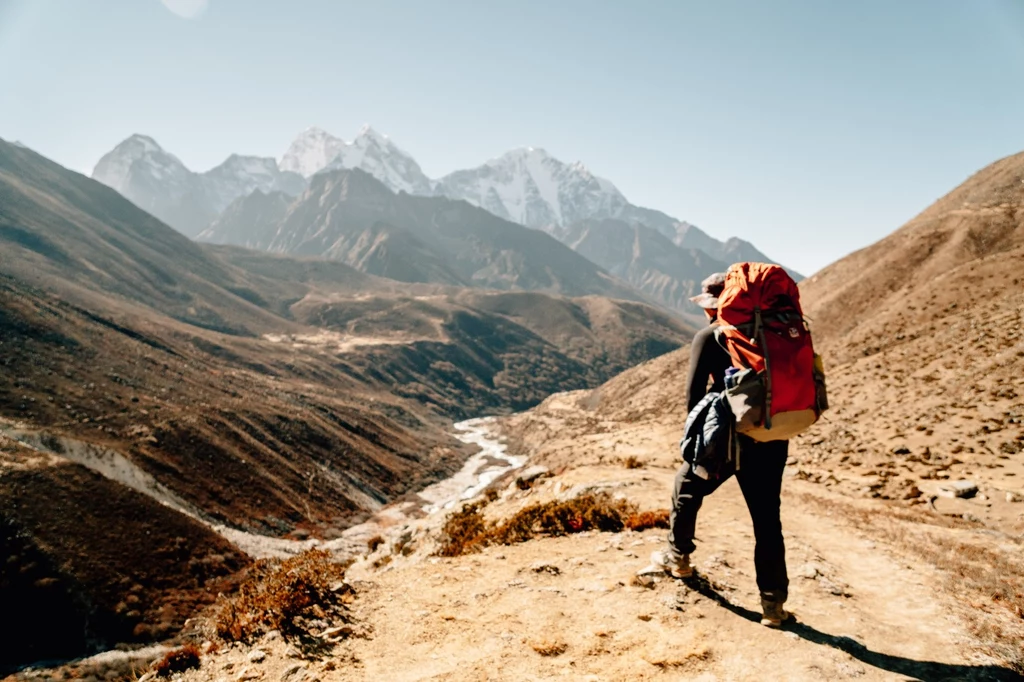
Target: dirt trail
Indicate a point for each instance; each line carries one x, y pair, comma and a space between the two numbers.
568, 608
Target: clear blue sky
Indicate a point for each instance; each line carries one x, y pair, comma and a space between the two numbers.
810, 128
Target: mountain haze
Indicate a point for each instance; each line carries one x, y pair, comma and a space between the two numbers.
159, 183
351, 217
526, 186
645, 258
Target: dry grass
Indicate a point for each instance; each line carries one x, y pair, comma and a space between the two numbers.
297, 597
463, 531
373, 543
646, 520
632, 462
467, 531
178, 661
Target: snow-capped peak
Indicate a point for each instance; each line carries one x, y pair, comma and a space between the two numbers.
138, 154
160, 183
368, 131
310, 152
529, 186
314, 151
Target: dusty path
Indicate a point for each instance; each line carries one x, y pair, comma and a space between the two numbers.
568, 608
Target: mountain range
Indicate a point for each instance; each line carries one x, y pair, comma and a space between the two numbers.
524, 186
349, 216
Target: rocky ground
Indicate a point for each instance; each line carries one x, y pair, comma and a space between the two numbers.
869, 603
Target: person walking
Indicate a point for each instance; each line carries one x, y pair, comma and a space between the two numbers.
759, 476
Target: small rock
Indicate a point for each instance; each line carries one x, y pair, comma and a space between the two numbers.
291, 671
651, 570
912, 493
901, 450
275, 635
959, 489
531, 474
256, 655
148, 676
832, 588
644, 581
542, 567
810, 572
1010, 497
337, 632
247, 674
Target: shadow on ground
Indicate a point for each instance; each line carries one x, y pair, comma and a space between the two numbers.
926, 671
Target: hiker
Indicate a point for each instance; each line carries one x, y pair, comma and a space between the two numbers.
757, 464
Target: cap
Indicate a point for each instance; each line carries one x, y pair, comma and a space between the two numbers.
711, 289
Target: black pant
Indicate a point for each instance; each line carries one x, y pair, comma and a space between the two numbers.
760, 479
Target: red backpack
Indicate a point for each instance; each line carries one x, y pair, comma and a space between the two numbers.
780, 388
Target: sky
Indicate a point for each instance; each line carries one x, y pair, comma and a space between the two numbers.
809, 128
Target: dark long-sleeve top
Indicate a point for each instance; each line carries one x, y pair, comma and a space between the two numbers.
707, 359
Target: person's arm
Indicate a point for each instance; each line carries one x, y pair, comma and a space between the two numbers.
700, 369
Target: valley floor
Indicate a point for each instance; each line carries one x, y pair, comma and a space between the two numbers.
868, 604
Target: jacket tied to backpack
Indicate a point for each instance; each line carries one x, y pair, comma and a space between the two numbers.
709, 442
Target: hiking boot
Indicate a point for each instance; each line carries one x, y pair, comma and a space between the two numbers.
774, 615
676, 565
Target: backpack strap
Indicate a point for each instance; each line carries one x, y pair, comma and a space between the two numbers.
759, 332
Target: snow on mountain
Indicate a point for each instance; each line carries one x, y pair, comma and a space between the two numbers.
158, 182
137, 158
311, 151
526, 186
315, 151
377, 155
531, 187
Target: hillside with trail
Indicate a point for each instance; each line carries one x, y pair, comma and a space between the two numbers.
868, 605
902, 509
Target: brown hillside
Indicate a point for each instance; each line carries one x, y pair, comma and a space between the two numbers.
980, 218
78, 581
924, 349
